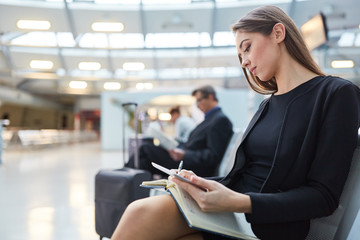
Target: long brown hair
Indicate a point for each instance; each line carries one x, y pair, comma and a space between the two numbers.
262, 20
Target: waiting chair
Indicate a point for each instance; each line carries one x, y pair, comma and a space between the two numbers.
228, 159
344, 223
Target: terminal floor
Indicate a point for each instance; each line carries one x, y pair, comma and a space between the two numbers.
48, 193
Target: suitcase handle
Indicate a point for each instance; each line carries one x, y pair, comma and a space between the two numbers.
129, 103
136, 153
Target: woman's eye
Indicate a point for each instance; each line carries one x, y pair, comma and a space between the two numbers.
247, 48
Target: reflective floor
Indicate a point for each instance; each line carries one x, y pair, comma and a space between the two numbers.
48, 194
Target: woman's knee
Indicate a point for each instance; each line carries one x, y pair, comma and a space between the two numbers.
146, 209
134, 218
136, 210
152, 213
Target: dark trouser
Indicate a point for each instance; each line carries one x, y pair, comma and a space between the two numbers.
150, 153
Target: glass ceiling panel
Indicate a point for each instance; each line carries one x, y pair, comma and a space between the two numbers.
102, 73
46, 39
117, 2
57, 0
200, 72
130, 40
65, 39
94, 40
162, 2
121, 40
224, 39
171, 40
149, 2
127, 1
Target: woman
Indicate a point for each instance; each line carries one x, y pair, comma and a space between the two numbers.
294, 158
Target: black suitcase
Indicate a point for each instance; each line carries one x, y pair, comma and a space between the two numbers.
115, 189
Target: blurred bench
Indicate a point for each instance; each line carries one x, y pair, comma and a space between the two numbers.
44, 137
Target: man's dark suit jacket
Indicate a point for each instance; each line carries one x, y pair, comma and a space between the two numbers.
311, 162
203, 150
207, 144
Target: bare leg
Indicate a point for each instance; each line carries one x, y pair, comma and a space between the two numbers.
155, 218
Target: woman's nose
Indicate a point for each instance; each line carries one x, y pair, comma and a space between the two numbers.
245, 63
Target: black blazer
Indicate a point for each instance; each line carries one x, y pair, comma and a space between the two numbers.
312, 159
207, 143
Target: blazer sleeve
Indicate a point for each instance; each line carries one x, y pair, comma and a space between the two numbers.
319, 196
217, 139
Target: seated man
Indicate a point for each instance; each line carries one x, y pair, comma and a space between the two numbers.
203, 151
183, 125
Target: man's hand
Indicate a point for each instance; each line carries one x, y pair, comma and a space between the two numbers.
177, 154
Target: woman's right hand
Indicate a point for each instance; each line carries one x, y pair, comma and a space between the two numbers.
217, 198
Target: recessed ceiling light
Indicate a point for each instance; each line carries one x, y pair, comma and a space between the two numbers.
164, 116
41, 64
78, 84
133, 66
33, 24
91, 66
112, 86
107, 26
148, 85
140, 86
342, 64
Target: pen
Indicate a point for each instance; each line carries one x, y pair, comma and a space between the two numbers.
180, 166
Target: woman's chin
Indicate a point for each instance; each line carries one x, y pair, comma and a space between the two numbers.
262, 79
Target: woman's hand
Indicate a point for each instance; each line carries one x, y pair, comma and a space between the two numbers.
217, 198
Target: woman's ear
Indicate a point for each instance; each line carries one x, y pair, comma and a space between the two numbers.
279, 32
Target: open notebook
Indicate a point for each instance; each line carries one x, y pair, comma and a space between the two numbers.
165, 141
225, 223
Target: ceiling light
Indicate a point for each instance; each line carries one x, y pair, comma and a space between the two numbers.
41, 64
107, 26
78, 84
342, 64
112, 86
92, 66
148, 85
133, 66
140, 86
33, 24
164, 116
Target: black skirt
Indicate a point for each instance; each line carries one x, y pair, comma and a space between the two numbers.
212, 236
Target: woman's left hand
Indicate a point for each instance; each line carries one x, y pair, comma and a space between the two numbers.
217, 198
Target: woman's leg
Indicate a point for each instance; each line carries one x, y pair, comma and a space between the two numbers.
155, 217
